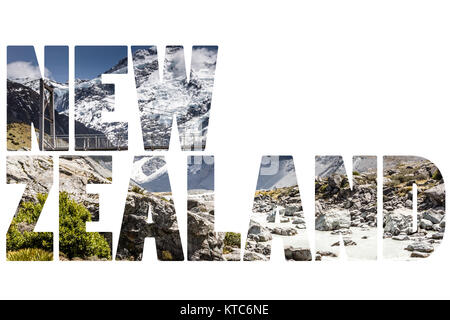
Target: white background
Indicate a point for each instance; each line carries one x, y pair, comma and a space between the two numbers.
293, 77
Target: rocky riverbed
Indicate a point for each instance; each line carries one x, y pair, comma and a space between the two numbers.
418, 237
277, 213
350, 213
347, 216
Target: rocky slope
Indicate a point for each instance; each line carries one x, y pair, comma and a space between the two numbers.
334, 197
352, 213
135, 227
36, 172
203, 242
76, 172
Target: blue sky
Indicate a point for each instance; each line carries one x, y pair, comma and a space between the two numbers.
136, 48
91, 61
56, 61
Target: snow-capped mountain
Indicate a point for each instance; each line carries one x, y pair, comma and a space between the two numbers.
189, 101
23, 107
92, 97
158, 101
61, 91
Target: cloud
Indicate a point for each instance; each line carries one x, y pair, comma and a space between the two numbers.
177, 66
25, 69
203, 58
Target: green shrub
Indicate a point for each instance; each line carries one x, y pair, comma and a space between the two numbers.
26, 218
345, 184
323, 188
356, 173
74, 241
136, 189
29, 255
437, 175
232, 239
29, 212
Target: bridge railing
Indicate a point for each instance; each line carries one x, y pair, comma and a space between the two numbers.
191, 142
83, 142
188, 142
61, 143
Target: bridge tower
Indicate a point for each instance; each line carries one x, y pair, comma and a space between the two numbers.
47, 100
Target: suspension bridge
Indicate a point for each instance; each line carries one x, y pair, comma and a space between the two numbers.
97, 142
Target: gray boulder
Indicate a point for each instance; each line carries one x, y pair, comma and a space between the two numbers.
291, 211
426, 224
432, 216
396, 223
420, 247
415, 254
297, 254
259, 233
333, 219
436, 195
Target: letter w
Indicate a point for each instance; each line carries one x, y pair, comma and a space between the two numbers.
188, 101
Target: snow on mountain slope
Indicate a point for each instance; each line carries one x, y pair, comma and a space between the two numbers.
23, 107
189, 101
276, 172
365, 164
61, 91
92, 97
158, 101
329, 165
